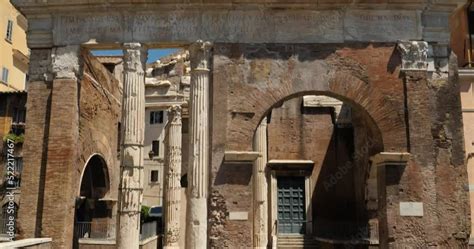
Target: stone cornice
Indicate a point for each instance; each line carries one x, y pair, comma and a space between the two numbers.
31, 7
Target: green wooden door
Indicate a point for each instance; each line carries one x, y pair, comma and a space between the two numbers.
291, 206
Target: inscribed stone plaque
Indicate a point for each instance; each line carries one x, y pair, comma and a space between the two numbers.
411, 209
238, 215
382, 25
184, 26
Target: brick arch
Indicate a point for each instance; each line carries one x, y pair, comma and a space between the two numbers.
98, 158
383, 111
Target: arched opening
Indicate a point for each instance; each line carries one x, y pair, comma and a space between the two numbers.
93, 212
319, 146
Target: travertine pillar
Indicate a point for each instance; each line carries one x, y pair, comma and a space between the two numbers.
196, 224
260, 188
57, 200
172, 188
131, 156
389, 167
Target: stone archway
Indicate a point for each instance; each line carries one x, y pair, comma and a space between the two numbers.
333, 158
250, 80
93, 212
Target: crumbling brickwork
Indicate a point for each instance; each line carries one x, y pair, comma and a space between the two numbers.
368, 77
65, 128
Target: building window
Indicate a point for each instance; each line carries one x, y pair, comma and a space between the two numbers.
155, 147
9, 34
154, 176
156, 117
4, 78
19, 115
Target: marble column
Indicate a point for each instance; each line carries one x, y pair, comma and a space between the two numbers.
131, 153
172, 187
198, 175
260, 188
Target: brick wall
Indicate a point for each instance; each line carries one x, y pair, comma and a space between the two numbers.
420, 115
67, 122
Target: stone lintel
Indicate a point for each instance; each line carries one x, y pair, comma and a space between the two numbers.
305, 165
394, 158
237, 25
241, 156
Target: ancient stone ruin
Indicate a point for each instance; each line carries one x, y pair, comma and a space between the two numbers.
315, 123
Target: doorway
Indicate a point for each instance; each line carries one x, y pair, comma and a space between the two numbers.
291, 205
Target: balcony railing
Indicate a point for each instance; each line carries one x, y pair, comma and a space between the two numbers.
91, 229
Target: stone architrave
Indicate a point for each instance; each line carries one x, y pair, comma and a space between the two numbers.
260, 221
131, 156
414, 55
196, 219
172, 187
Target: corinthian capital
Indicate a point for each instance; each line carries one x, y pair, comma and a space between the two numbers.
174, 114
134, 57
200, 54
414, 55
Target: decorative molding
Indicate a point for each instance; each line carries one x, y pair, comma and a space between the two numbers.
241, 156
414, 55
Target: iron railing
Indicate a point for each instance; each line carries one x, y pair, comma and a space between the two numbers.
91, 229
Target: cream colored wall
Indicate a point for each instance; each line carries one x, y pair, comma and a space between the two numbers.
467, 100
152, 193
17, 70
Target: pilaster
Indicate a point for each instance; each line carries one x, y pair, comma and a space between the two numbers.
389, 167
260, 188
35, 147
61, 159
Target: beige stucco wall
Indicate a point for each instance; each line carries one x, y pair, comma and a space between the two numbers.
152, 194
467, 100
17, 68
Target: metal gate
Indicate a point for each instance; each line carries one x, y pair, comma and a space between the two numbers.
291, 205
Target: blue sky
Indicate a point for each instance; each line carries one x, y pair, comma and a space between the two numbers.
153, 54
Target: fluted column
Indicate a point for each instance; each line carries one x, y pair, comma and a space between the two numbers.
196, 219
260, 188
172, 188
131, 156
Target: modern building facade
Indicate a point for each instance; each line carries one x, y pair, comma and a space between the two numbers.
15, 54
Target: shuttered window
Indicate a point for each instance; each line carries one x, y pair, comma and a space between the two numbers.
4, 78
9, 33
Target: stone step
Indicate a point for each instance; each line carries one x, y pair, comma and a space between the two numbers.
296, 242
